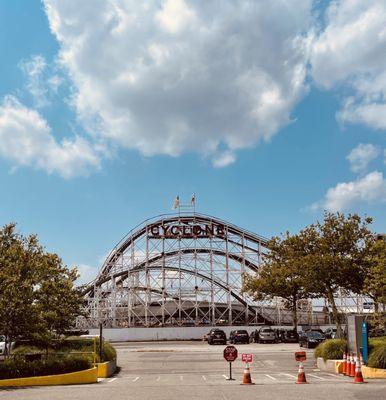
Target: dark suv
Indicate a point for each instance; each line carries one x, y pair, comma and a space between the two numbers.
239, 336
289, 336
217, 336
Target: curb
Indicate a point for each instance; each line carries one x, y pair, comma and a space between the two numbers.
72, 378
106, 369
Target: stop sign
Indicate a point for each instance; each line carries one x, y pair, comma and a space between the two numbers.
230, 353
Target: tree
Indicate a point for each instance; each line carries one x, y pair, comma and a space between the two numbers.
375, 280
282, 273
37, 295
336, 260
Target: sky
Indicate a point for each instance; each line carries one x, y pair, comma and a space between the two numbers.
269, 111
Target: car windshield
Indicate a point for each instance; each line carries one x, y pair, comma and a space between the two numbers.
267, 330
242, 332
314, 334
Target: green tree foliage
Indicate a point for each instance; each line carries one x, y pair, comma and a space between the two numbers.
37, 295
282, 273
375, 280
337, 257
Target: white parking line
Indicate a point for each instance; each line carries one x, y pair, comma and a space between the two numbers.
271, 377
158, 379
317, 377
111, 380
135, 379
181, 378
225, 376
291, 376
203, 377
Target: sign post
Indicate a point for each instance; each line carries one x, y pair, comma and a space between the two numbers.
247, 358
300, 356
365, 342
230, 354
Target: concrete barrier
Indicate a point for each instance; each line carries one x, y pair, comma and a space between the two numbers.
106, 369
335, 366
72, 378
370, 373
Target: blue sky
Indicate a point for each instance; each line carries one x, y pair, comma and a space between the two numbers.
270, 112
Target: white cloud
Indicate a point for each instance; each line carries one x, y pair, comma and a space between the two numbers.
87, 274
175, 15
34, 69
224, 159
182, 76
361, 156
369, 189
350, 52
26, 140
42, 82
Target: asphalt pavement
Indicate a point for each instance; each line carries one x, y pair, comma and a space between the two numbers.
196, 370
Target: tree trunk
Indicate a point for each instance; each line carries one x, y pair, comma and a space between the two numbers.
295, 315
335, 316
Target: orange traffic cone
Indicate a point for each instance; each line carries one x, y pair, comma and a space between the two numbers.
344, 363
247, 380
358, 373
301, 374
348, 364
362, 361
352, 366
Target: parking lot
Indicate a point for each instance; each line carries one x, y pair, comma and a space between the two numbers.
196, 370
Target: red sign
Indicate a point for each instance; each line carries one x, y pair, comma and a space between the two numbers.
300, 356
230, 353
246, 358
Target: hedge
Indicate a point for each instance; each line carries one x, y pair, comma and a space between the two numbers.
331, 349
68, 345
377, 357
19, 368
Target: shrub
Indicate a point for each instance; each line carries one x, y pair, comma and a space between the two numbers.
69, 345
331, 349
19, 368
377, 358
26, 349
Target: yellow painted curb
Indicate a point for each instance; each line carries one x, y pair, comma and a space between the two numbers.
106, 369
368, 372
72, 378
339, 366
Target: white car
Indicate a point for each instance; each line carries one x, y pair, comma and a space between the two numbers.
2, 346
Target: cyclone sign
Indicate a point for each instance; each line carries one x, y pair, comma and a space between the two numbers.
174, 231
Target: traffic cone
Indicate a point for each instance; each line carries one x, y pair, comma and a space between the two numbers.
352, 366
344, 363
301, 374
358, 373
247, 380
348, 364
362, 361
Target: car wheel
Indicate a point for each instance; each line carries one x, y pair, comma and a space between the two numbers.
300, 344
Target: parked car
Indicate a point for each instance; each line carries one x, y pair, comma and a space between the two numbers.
310, 339
3, 351
330, 333
289, 336
239, 336
253, 336
266, 334
217, 336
